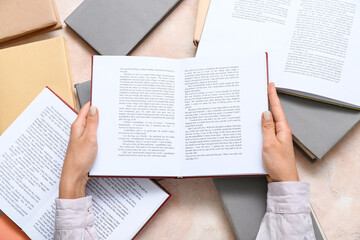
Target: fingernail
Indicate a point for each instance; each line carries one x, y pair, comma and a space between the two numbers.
267, 115
92, 110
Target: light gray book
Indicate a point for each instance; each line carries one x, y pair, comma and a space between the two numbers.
317, 126
83, 91
244, 201
116, 27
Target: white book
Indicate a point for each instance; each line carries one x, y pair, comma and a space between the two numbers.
179, 117
313, 45
32, 151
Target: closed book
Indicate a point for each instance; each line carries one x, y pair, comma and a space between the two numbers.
317, 126
115, 27
24, 72
23, 17
244, 201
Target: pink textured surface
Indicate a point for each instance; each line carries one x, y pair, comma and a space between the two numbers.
195, 210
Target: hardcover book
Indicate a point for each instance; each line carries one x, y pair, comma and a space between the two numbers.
313, 51
40, 135
26, 70
116, 27
24, 18
179, 117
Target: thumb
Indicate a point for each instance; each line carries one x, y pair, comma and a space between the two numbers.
92, 121
268, 128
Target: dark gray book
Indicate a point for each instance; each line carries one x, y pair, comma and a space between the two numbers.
317, 126
116, 27
244, 201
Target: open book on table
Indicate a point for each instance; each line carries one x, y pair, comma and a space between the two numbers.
179, 117
313, 45
32, 152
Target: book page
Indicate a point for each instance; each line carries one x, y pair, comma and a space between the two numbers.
224, 100
138, 125
121, 208
32, 152
322, 52
312, 45
239, 26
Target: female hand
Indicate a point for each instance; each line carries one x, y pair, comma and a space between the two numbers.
80, 154
278, 151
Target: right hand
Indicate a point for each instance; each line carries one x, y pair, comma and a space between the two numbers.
278, 150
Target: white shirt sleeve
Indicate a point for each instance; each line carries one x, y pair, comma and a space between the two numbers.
74, 219
288, 212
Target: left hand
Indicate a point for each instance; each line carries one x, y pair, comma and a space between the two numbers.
80, 154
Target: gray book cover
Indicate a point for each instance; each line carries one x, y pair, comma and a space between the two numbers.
244, 201
83, 91
116, 27
317, 126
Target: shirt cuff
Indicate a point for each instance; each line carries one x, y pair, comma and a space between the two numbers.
288, 197
73, 213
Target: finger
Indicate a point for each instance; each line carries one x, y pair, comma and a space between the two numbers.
78, 126
92, 121
268, 129
277, 110
268, 178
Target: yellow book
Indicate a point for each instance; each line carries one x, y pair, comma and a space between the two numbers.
26, 70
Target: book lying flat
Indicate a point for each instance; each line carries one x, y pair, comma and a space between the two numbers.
317, 126
27, 17
116, 27
33, 150
244, 201
26, 70
179, 117
313, 46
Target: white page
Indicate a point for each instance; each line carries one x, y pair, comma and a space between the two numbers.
34, 147
126, 203
279, 28
137, 99
321, 55
31, 156
224, 100
236, 26
121, 208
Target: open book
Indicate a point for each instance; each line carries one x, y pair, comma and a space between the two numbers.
179, 117
313, 45
32, 152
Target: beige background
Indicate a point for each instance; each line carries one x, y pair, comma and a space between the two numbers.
195, 210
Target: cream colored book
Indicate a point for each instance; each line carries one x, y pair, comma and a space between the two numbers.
25, 70
22, 17
203, 7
